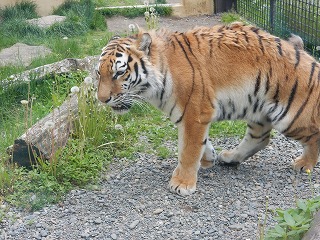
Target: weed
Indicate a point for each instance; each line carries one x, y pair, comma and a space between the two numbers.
294, 222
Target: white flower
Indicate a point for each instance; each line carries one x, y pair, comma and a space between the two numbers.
118, 127
152, 9
75, 89
146, 14
318, 48
132, 27
49, 125
146, 3
65, 38
88, 80
24, 102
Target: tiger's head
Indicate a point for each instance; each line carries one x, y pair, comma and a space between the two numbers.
125, 72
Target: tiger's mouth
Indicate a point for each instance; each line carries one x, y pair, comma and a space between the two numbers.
122, 108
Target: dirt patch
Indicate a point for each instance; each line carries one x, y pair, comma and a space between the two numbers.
119, 24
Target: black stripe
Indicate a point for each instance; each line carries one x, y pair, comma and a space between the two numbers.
279, 46
276, 100
198, 41
104, 53
261, 106
295, 132
120, 48
179, 120
297, 57
118, 54
211, 47
265, 138
143, 66
205, 142
244, 113
257, 85
164, 81
232, 106
174, 105
299, 111
193, 75
267, 84
261, 136
186, 40
290, 100
222, 111
259, 123
310, 136
255, 106
221, 29
313, 65
249, 99
256, 31
130, 58
246, 36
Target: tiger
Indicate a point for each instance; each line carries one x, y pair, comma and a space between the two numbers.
208, 74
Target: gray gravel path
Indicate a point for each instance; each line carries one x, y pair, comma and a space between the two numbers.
133, 201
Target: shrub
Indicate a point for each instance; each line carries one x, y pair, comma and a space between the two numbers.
22, 10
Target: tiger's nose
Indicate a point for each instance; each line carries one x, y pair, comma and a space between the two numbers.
103, 99
108, 100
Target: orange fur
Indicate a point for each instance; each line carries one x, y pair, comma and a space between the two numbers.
211, 74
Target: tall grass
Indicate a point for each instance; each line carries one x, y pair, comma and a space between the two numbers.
80, 18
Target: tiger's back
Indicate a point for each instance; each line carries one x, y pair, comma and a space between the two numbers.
211, 74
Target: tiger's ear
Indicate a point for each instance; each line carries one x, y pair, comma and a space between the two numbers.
145, 43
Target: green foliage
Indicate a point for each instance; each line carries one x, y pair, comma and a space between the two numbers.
22, 10
134, 11
229, 17
294, 222
33, 190
228, 128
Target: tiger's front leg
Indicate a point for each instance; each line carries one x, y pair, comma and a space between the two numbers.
191, 146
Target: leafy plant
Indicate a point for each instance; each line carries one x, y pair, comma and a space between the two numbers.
294, 222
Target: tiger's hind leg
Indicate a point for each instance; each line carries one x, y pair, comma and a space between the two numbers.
256, 138
310, 155
209, 156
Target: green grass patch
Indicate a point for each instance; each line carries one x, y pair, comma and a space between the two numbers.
229, 17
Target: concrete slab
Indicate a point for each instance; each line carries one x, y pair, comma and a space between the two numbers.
22, 54
47, 21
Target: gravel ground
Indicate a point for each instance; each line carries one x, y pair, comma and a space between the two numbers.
119, 25
133, 201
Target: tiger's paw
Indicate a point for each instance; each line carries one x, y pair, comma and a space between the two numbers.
227, 157
301, 163
209, 159
183, 186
